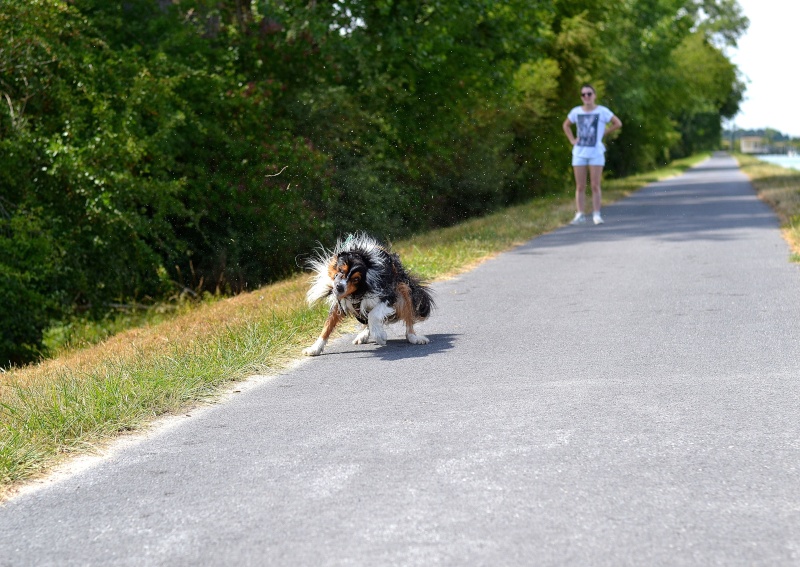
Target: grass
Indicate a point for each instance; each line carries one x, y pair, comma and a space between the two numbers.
779, 187
78, 402
79, 332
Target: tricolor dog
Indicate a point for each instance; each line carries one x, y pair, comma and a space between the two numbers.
361, 278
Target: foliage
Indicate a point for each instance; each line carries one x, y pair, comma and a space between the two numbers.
148, 147
707, 89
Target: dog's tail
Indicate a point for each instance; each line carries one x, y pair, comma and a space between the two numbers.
321, 284
422, 298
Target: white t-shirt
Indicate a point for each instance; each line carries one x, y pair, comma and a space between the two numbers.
591, 127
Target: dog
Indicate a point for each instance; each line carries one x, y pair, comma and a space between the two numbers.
361, 278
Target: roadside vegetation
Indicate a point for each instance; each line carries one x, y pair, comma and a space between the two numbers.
779, 187
91, 393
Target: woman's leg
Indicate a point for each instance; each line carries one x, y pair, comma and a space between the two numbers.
580, 186
595, 177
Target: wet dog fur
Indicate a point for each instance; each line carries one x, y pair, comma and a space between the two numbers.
362, 279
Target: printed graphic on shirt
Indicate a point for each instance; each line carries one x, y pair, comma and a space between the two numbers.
587, 129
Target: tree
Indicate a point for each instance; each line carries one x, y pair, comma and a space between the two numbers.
708, 90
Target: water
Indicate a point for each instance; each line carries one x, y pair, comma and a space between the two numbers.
792, 162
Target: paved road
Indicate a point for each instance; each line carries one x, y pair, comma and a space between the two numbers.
618, 395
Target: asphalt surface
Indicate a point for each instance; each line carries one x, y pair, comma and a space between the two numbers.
625, 394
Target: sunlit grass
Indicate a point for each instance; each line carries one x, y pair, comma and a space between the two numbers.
779, 187
80, 332
80, 400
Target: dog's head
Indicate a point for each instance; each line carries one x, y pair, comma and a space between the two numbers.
348, 272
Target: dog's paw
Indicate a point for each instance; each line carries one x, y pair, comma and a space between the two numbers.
362, 337
380, 337
316, 348
417, 339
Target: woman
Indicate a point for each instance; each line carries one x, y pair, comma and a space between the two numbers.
588, 152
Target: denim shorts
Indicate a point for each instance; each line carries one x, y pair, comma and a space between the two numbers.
595, 160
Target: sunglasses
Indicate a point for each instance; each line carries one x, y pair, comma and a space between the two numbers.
587, 94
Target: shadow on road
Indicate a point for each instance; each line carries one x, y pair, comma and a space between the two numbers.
693, 206
398, 349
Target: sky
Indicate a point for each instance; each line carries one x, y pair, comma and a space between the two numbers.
768, 55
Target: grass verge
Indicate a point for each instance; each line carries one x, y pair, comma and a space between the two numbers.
79, 401
779, 187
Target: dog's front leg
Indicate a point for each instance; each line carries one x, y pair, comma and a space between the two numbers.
362, 337
333, 319
376, 319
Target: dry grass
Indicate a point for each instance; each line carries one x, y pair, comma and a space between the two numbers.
79, 401
779, 187
183, 332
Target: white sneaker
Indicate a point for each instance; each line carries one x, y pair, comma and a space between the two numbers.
597, 218
579, 219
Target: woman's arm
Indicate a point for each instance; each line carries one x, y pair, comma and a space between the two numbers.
615, 124
567, 127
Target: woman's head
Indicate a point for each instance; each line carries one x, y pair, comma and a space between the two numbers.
587, 93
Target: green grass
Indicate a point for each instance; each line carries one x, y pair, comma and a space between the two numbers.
80, 332
79, 401
779, 187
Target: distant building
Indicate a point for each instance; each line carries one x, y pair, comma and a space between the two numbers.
753, 145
